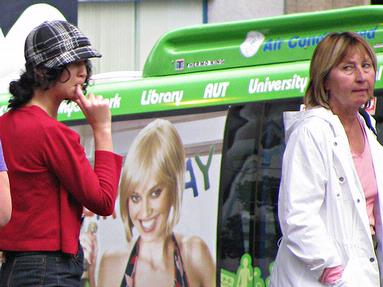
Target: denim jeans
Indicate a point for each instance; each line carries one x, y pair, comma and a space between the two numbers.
48, 269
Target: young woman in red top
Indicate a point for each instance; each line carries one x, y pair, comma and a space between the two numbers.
50, 177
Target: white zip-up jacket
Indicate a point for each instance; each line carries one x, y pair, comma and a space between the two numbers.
322, 207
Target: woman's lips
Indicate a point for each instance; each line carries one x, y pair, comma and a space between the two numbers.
148, 224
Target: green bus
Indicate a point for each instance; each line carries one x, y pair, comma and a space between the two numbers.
225, 86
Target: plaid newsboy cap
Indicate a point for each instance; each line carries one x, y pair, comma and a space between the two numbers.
56, 43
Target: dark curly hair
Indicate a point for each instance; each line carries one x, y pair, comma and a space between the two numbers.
41, 77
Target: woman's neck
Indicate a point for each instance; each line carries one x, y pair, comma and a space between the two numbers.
347, 116
46, 101
353, 131
156, 251
349, 122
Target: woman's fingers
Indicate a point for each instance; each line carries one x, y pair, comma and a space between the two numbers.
87, 102
95, 108
80, 100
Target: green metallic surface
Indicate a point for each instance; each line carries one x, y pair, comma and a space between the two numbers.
268, 75
287, 38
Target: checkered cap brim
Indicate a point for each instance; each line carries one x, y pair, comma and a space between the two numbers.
57, 43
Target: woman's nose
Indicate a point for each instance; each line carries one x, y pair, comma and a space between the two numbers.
360, 74
82, 72
147, 208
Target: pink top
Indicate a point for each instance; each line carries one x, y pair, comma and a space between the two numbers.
366, 172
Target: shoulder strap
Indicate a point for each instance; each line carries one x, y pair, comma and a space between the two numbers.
128, 279
180, 279
367, 119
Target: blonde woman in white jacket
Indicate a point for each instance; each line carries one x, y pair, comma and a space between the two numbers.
332, 172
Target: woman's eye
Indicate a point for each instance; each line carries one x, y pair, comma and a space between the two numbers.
79, 63
348, 68
367, 65
135, 198
156, 193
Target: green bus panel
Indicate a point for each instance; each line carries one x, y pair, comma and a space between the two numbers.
271, 73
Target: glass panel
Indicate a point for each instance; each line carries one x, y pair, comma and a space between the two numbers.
251, 171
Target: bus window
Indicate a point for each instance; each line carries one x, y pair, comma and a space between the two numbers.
250, 175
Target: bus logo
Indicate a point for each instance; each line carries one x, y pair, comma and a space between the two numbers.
252, 43
180, 64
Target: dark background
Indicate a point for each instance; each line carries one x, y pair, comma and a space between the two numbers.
11, 10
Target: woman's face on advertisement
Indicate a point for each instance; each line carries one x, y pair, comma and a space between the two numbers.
149, 207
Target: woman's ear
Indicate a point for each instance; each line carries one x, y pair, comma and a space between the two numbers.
39, 74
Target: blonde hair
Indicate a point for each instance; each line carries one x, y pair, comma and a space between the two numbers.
328, 54
156, 151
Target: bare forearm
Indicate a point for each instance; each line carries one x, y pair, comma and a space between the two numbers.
103, 139
5, 199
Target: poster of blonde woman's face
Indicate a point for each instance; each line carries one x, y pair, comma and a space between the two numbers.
167, 190
149, 206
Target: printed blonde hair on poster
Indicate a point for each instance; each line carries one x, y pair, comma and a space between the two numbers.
158, 152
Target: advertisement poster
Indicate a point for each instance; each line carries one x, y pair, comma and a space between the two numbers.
191, 243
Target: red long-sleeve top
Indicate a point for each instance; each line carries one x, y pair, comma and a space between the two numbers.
51, 180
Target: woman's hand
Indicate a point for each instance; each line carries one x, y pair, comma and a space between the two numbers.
96, 111
331, 275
